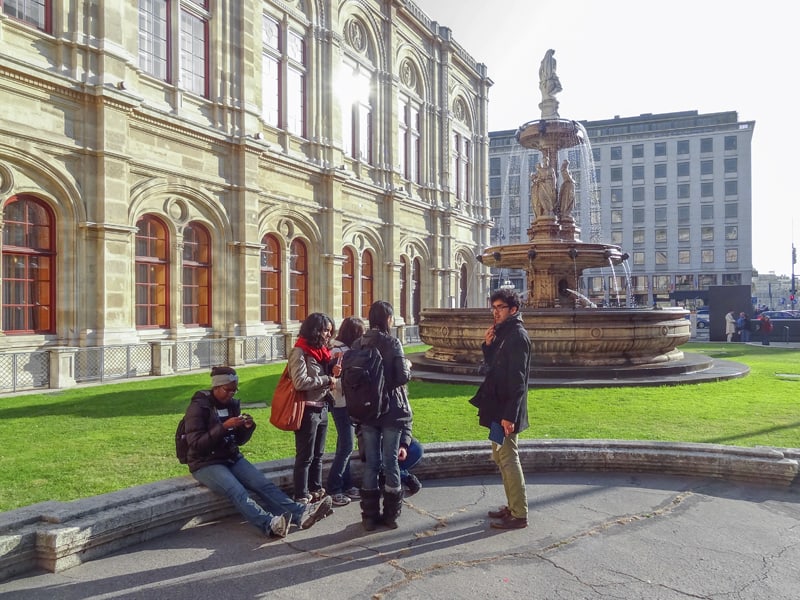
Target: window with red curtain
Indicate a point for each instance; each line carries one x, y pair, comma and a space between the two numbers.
270, 280
28, 251
367, 283
152, 274
348, 283
196, 276
298, 281
37, 13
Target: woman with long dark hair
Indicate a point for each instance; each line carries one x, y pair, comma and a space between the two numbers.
312, 374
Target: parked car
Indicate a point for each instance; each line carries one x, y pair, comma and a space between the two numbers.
777, 314
702, 321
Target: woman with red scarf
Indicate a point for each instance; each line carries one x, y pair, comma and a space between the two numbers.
313, 375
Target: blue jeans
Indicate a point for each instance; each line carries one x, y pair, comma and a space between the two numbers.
413, 456
380, 448
339, 476
309, 446
234, 481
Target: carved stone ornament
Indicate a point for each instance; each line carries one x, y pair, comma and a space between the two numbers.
286, 228
355, 35
459, 110
407, 74
177, 209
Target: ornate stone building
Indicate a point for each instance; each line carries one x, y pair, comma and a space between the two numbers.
217, 169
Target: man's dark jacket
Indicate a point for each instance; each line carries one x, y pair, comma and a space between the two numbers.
504, 392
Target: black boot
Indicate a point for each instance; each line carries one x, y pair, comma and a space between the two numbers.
392, 504
370, 508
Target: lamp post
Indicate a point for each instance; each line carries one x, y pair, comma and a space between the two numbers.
793, 291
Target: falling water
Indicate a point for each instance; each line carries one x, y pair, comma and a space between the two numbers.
614, 279
629, 299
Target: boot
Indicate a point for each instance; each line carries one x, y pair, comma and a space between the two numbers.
370, 508
392, 504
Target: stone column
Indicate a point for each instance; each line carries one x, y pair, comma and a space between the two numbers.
62, 367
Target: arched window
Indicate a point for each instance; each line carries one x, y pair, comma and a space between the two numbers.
463, 287
416, 289
404, 290
152, 274
270, 280
298, 281
348, 283
196, 276
367, 283
28, 267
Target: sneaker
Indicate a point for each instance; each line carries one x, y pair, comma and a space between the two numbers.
353, 493
413, 485
316, 512
340, 500
279, 526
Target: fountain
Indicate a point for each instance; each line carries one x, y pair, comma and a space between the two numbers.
572, 338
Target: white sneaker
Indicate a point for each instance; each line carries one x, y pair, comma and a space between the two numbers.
340, 500
316, 512
279, 526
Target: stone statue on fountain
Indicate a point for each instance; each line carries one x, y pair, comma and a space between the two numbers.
543, 189
566, 193
549, 85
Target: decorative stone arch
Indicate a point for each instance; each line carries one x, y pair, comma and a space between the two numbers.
26, 173
410, 72
463, 109
361, 34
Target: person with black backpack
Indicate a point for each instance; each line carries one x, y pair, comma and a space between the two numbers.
213, 429
381, 433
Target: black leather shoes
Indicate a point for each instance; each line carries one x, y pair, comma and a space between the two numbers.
500, 513
510, 522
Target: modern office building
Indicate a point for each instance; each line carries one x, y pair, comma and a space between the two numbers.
672, 190
182, 182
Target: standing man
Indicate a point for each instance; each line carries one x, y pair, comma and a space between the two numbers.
502, 402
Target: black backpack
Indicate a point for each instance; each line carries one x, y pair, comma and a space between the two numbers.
364, 384
181, 443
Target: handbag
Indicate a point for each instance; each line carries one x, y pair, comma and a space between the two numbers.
287, 404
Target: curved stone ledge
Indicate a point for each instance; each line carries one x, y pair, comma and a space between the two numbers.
58, 535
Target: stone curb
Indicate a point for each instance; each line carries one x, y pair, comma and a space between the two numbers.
58, 535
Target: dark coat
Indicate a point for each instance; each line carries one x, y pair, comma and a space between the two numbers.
396, 373
209, 442
504, 392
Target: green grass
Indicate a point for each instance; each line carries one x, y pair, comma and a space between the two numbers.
91, 440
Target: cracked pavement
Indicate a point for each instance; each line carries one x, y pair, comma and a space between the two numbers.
591, 535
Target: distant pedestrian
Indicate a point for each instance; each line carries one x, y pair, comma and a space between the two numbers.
743, 326
730, 325
765, 327
502, 402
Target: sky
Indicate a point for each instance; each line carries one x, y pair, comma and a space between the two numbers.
629, 57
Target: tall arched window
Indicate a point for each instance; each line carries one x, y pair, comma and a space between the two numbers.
404, 290
348, 283
416, 289
367, 283
196, 276
28, 264
463, 287
298, 281
152, 274
270, 280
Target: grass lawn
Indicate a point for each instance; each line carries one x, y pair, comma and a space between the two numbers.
91, 440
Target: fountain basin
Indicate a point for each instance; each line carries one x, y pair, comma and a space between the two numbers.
564, 337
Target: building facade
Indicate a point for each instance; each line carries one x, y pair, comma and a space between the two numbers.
192, 169
672, 190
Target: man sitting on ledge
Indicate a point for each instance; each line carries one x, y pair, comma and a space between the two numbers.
215, 428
